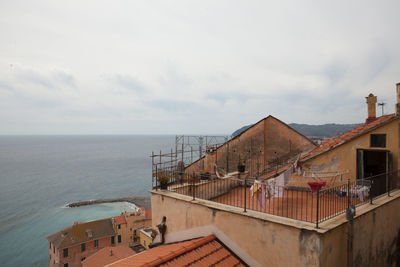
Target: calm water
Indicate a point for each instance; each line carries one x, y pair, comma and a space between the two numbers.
40, 174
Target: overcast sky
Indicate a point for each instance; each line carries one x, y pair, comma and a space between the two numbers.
192, 67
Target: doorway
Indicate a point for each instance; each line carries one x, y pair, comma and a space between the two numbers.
373, 163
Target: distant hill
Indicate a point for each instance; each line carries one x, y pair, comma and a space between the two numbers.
324, 130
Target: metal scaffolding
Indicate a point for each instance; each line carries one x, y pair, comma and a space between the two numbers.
188, 149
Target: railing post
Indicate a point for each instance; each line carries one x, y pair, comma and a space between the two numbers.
370, 191
156, 178
317, 206
388, 184
193, 189
245, 194
348, 193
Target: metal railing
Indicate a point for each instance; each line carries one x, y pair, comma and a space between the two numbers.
292, 202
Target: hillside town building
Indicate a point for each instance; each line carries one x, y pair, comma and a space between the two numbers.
73, 245
108, 255
329, 205
70, 246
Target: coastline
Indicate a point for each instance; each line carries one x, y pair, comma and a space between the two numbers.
138, 201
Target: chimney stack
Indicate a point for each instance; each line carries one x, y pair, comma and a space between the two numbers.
371, 102
397, 108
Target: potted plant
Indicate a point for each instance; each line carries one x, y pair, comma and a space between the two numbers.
163, 179
205, 176
241, 166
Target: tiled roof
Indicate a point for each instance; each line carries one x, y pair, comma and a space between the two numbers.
148, 214
82, 232
108, 255
337, 141
205, 251
119, 219
346, 137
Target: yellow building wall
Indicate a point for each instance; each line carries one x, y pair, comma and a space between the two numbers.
344, 157
145, 240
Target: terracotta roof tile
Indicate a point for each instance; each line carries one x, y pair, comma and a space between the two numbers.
104, 256
341, 139
205, 251
82, 232
336, 141
119, 219
148, 214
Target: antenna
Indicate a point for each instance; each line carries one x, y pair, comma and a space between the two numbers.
382, 104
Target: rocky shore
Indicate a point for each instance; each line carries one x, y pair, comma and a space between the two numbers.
138, 201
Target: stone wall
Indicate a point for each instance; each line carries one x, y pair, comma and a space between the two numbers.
266, 141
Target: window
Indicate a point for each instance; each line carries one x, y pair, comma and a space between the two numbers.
49, 245
96, 243
119, 238
65, 252
54, 249
83, 247
84, 258
378, 140
119, 226
144, 242
65, 264
112, 240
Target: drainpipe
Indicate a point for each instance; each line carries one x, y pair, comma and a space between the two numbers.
397, 109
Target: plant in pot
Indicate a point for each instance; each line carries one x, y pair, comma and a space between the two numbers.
163, 179
205, 175
241, 166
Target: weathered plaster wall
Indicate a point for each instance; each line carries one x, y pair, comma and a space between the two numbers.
265, 141
210, 189
270, 241
75, 255
344, 157
266, 243
283, 140
376, 238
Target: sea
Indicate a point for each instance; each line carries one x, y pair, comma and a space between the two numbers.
40, 175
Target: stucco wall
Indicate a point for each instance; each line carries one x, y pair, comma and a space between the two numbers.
344, 157
210, 189
265, 141
258, 242
75, 255
376, 237
264, 240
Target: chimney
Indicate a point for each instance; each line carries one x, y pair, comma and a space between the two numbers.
371, 102
397, 109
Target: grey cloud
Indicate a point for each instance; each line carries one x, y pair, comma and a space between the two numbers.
335, 72
128, 82
377, 61
173, 78
35, 78
7, 86
64, 78
219, 97
173, 105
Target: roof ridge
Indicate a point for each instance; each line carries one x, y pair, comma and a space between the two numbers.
182, 250
354, 133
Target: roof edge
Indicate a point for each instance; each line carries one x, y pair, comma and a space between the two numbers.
181, 251
352, 138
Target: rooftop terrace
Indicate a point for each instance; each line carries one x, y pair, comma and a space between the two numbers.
296, 203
